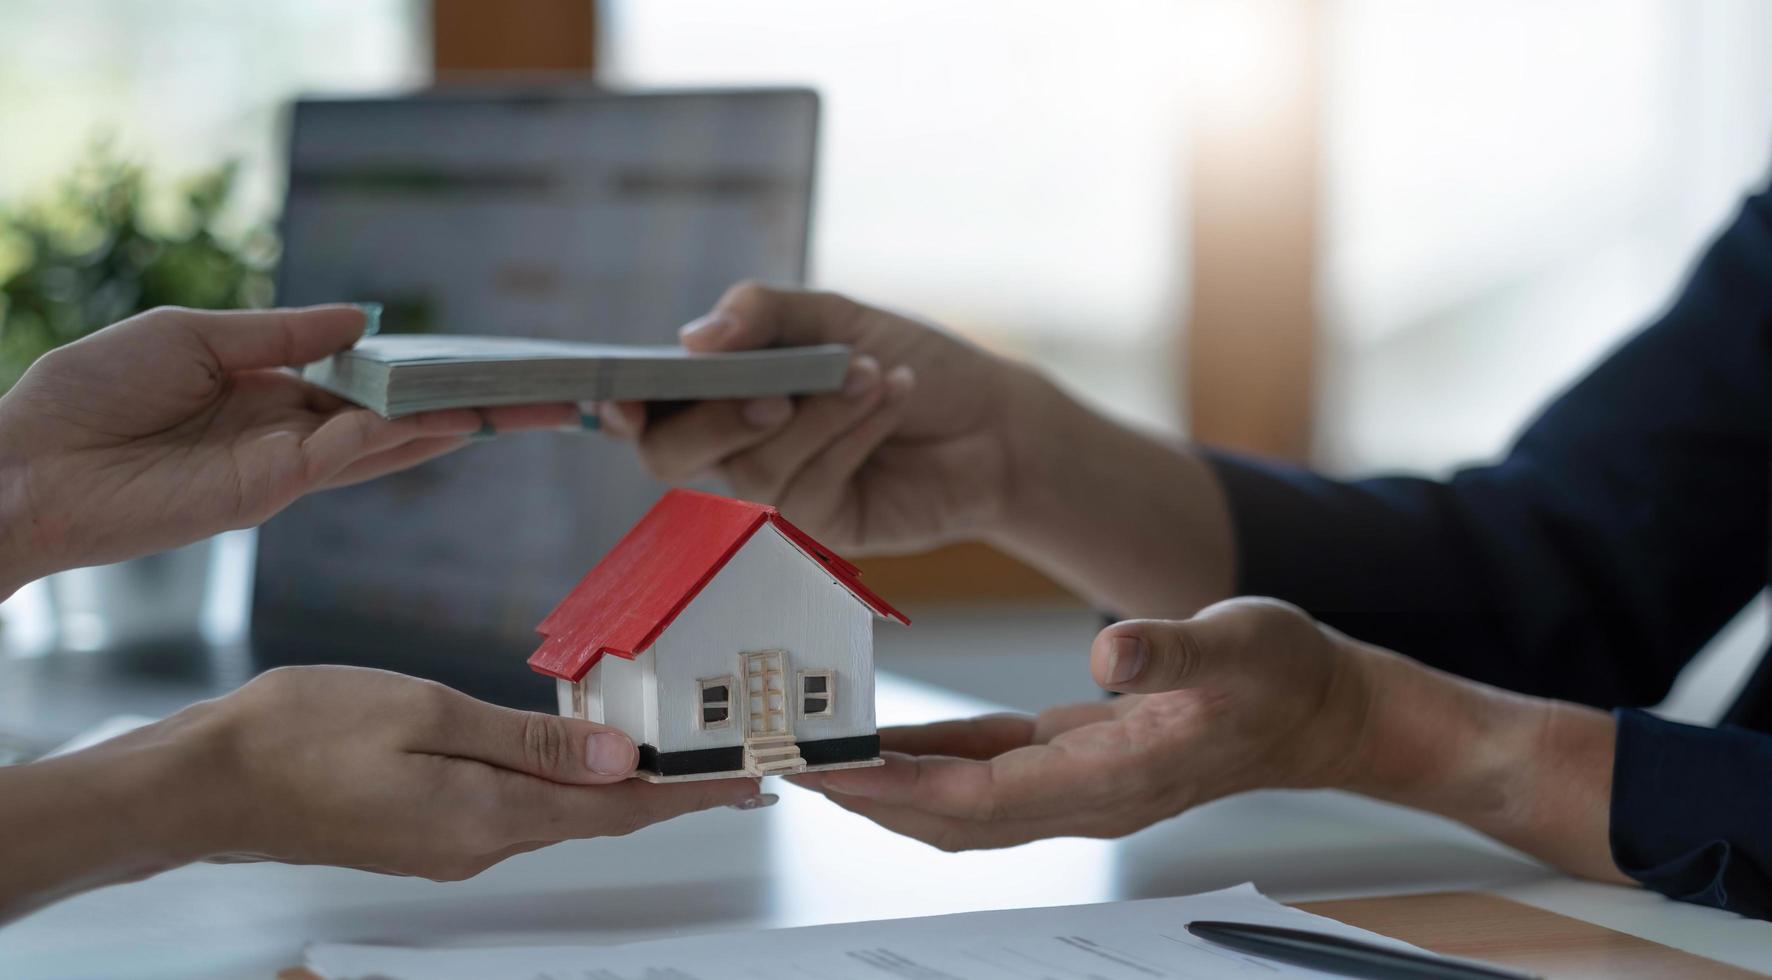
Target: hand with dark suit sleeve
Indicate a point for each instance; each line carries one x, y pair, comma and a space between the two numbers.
910, 453
1624, 528
1627, 525
935, 440
1249, 694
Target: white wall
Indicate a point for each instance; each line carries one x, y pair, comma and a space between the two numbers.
770, 596
185, 85
620, 687
1510, 184
1009, 168
592, 710
1510, 188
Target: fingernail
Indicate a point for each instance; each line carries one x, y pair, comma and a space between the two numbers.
707, 328
899, 382
609, 753
767, 413
1126, 656
756, 802
862, 376
371, 317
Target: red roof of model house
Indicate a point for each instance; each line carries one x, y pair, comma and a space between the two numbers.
653, 572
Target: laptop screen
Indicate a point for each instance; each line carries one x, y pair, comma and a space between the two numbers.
574, 215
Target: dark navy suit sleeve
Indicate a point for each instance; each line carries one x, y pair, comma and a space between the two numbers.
1625, 526
1692, 811
1620, 532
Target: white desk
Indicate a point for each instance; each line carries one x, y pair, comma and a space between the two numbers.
805, 862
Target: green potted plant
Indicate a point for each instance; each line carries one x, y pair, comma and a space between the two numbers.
100, 247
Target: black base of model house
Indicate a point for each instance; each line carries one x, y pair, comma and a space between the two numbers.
822, 752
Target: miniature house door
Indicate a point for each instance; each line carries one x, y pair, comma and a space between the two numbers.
766, 702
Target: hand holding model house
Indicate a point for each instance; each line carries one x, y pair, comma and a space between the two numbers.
725, 641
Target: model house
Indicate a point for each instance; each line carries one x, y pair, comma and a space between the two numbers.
725, 641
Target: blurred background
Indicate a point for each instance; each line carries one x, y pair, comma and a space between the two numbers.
1374, 234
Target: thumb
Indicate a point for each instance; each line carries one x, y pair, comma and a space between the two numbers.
1145, 655
572, 750
1220, 643
1148, 655
751, 316
563, 750
243, 340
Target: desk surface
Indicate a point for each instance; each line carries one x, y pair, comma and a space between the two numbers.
1475, 925
802, 862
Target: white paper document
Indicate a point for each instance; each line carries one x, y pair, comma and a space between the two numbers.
1144, 940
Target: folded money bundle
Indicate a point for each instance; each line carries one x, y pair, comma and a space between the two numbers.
399, 374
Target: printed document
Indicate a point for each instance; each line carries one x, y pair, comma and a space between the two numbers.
1143, 940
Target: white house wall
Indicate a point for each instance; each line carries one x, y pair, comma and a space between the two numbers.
589, 703
770, 596
593, 694
623, 687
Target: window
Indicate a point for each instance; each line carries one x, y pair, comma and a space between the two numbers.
1085, 140
716, 702
818, 692
72, 71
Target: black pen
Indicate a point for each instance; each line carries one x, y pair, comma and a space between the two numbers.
1348, 957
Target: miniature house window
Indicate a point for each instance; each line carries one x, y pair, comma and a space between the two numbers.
818, 693
716, 702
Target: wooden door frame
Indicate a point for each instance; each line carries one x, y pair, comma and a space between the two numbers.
1249, 357
475, 39
781, 674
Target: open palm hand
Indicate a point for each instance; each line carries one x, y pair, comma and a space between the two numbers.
1249, 694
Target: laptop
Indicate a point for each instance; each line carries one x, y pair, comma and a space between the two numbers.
572, 214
